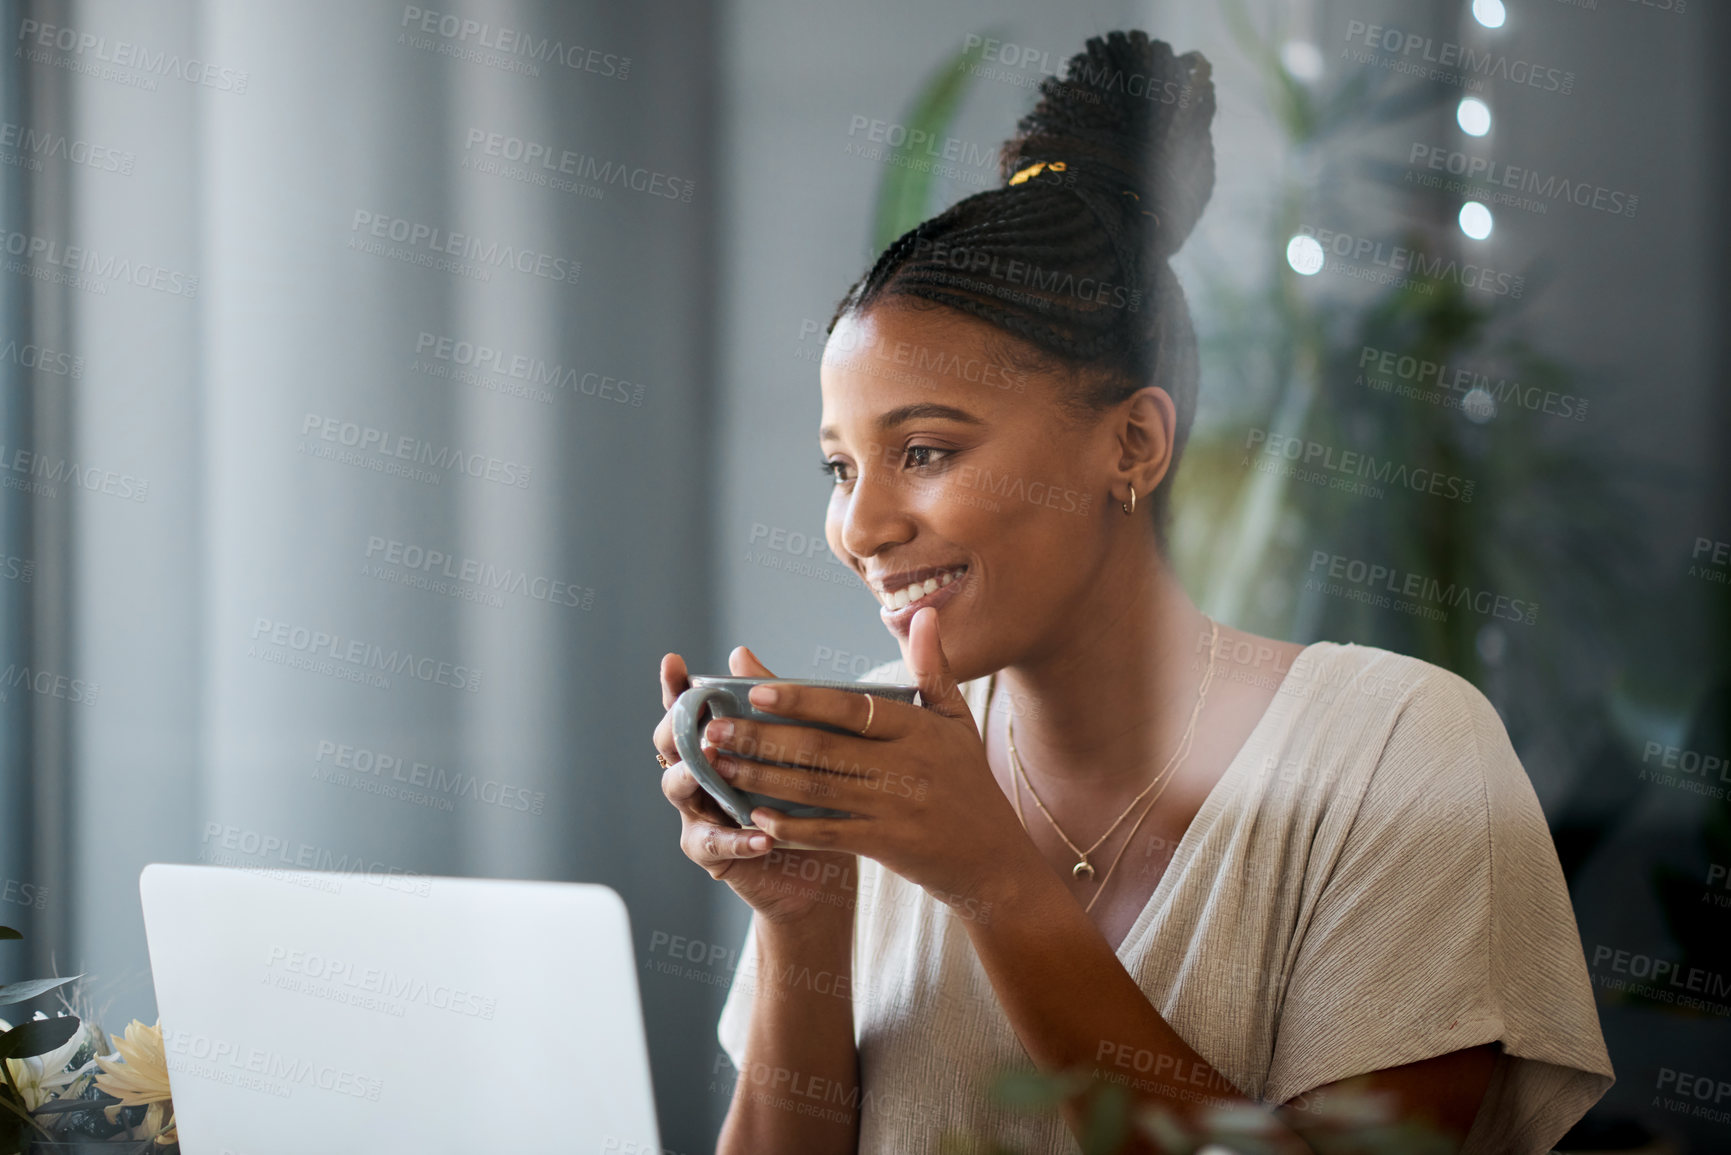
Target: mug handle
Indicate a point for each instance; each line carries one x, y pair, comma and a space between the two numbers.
687, 713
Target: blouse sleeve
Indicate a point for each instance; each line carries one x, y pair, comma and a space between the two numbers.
736, 1011
1445, 923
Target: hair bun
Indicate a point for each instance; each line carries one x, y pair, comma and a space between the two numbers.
1128, 114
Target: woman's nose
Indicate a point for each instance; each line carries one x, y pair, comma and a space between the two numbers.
876, 513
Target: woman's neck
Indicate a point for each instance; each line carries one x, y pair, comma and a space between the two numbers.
1116, 692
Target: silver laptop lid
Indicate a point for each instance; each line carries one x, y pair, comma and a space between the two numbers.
307, 1010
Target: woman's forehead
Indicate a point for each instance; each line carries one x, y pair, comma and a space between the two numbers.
890, 329
892, 357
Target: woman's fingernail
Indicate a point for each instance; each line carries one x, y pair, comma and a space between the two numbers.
764, 696
724, 767
719, 730
758, 842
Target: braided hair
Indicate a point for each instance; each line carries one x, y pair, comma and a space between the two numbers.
1102, 183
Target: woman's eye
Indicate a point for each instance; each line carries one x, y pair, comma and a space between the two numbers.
837, 470
922, 456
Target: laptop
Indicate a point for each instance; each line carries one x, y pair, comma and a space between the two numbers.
375, 1013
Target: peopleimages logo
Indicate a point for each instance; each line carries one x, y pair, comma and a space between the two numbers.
543, 164
50, 361
38, 474
1369, 581
190, 1054
1460, 386
1711, 560
382, 451
360, 657
35, 144
527, 49
82, 262
240, 846
382, 767
521, 367
1043, 281
1347, 469
1454, 63
905, 361
484, 576
1401, 259
88, 53
918, 140
381, 981
47, 684
1089, 79
430, 245
1496, 177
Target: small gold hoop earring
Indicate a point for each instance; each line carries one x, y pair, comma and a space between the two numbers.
1129, 507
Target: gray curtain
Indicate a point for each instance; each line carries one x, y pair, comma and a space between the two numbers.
371, 597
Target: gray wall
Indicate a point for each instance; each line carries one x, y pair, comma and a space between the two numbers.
201, 738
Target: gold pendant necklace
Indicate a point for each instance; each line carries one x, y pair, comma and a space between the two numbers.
1084, 869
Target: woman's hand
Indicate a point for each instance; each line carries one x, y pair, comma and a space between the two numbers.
928, 806
781, 884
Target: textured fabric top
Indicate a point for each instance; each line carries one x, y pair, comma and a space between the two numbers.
1370, 883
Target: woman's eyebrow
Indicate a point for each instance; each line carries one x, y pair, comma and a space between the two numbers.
914, 412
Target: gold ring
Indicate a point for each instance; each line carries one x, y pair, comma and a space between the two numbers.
871, 711
665, 764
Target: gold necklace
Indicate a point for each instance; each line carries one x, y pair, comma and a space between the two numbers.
1083, 867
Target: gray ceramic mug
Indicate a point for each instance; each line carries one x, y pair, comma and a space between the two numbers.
724, 697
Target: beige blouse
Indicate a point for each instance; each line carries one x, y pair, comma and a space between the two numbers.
1370, 883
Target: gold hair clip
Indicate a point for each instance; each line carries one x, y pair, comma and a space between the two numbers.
1039, 166
1034, 170
1138, 200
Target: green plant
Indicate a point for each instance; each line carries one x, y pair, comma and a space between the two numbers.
905, 193
1343, 1123
1556, 509
27, 1040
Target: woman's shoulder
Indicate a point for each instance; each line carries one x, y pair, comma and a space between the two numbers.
1424, 739
1369, 679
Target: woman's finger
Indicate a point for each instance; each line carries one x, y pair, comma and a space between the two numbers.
857, 794
712, 846
690, 798
744, 664
674, 682
674, 679
663, 738
844, 834
679, 786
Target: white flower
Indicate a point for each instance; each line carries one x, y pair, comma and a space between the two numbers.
137, 1075
40, 1077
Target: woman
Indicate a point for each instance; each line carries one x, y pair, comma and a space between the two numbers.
1216, 869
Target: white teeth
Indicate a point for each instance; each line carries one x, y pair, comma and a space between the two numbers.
913, 593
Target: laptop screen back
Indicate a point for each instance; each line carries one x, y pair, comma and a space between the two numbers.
306, 1010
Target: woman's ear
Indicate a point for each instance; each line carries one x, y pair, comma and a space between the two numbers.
1148, 422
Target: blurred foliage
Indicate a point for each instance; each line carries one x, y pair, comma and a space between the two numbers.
1555, 520
27, 1040
906, 192
1351, 1122
1545, 524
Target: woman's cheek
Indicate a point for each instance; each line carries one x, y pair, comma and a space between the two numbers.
832, 528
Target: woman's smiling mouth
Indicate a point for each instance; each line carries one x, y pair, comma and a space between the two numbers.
906, 593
